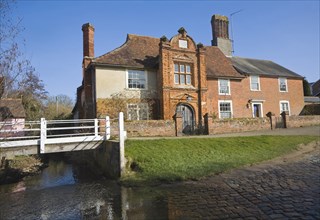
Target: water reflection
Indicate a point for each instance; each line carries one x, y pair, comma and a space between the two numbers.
64, 191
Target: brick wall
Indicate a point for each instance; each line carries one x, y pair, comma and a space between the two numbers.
150, 128
238, 125
302, 121
269, 95
166, 128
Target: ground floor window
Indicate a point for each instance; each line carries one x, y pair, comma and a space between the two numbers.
225, 109
284, 107
139, 111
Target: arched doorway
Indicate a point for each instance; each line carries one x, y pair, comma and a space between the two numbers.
187, 115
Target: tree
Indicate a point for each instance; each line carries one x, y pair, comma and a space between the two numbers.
135, 105
17, 76
306, 88
58, 107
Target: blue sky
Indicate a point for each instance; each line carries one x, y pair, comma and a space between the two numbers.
286, 32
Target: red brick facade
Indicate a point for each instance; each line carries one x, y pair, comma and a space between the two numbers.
172, 94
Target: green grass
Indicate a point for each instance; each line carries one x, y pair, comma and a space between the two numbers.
168, 160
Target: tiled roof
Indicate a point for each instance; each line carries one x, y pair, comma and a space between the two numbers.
143, 52
11, 108
137, 51
218, 65
261, 67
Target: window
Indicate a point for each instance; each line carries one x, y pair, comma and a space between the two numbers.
283, 85
138, 111
225, 109
182, 74
255, 83
284, 107
136, 79
224, 86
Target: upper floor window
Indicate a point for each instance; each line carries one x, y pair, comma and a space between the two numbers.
224, 86
283, 85
225, 109
284, 107
137, 79
255, 83
182, 74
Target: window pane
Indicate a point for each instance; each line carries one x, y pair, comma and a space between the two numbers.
283, 84
132, 112
255, 83
225, 110
224, 86
143, 111
188, 79
188, 69
181, 68
176, 68
176, 78
284, 107
182, 79
136, 79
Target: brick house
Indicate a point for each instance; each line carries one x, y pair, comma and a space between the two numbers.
184, 79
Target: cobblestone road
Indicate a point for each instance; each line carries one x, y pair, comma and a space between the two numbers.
276, 190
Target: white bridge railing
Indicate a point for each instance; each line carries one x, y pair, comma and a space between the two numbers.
29, 133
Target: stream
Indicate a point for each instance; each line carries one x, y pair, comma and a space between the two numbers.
66, 191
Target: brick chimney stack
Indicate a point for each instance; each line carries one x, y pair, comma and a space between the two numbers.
220, 34
88, 40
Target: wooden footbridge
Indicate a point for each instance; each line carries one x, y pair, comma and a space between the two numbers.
52, 136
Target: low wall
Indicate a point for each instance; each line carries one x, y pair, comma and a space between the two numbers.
238, 125
303, 121
167, 128
144, 128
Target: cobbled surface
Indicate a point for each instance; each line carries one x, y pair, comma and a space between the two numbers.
287, 190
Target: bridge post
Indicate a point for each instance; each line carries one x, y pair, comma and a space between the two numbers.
96, 127
107, 129
121, 143
43, 134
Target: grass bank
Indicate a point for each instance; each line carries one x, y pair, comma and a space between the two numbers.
168, 160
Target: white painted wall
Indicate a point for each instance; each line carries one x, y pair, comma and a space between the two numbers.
114, 80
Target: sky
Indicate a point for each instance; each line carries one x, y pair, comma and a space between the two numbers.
286, 32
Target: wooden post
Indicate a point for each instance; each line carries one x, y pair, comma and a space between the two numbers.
96, 127
43, 134
107, 129
121, 143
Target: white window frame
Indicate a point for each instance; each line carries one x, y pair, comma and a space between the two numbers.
280, 106
261, 108
225, 101
286, 82
145, 76
259, 89
219, 88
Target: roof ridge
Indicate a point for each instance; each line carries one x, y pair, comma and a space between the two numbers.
137, 35
129, 37
247, 58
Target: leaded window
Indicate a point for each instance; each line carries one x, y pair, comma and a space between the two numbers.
182, 74
136, 79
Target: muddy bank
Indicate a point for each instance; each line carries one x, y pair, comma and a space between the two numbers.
13, 170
